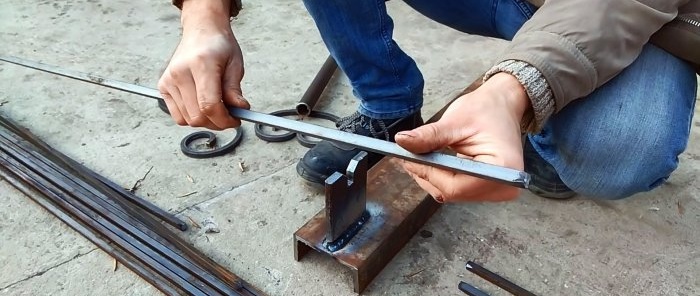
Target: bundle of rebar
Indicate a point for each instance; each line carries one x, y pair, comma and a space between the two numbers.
125, 226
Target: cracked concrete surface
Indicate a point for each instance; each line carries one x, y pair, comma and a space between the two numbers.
43, 271
646, 245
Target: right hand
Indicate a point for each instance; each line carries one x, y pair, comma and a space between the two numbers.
204, 74
483, 126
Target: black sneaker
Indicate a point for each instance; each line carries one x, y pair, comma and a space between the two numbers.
544, 180
162, 106
326, 157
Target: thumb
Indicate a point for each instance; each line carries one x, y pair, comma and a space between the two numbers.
426, 138
232, 93
234, 98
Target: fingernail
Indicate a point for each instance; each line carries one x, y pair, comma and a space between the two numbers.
409, 134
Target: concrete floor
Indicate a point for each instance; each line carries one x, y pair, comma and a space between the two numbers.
646, 245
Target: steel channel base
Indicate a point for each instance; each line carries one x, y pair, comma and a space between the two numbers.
398, 208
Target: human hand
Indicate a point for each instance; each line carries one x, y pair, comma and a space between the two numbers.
204, 74
484, 126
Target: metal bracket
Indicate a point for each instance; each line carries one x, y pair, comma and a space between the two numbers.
346, 202
396, 208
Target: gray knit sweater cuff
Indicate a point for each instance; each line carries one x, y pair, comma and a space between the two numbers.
537, 90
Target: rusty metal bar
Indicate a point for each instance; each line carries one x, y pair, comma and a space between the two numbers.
470, 290
99, 224
140, 202
497, 280
92, 200
124, 258
313, 93
85, 173
164, 234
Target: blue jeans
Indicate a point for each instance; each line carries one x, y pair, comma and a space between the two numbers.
622, 139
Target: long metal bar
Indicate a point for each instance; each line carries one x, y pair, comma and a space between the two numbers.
84, 172
241, 286
142, 203
99, 224
101, 215
470, 290
460, 165
497, 280
92, 200
117, 253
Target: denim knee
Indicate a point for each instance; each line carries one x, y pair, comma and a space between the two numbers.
629, 178
616, 158
625, 137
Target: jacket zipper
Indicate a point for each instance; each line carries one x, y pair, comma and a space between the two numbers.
689, 21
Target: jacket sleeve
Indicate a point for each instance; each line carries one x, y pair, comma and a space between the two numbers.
578, 45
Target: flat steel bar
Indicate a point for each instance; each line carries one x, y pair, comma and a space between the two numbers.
102, 226
97, 204
478, 169
125, 259
497, 280
460, 165
180, 245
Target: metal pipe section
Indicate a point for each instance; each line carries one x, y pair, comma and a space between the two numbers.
460, 165
313, 93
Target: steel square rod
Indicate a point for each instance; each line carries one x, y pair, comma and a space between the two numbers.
116, 204
128, 225
133, 226
232, 279
105, 196
161, 283
118, 208
465, 166
97, 222
140, 202
470, 290
87, 173
497, 280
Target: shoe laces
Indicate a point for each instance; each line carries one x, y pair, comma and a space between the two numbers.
356, 120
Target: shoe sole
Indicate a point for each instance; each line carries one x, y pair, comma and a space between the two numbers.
309, 175
550, 193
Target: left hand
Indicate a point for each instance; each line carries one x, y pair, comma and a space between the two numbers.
483, 126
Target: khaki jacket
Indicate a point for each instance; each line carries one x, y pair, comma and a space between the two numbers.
578, 45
